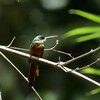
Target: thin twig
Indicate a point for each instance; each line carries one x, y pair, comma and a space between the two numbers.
21, 75
50, 49
66, 69
81, 56
0, 96
21, 49
58, 51
53, 64
57, 41
11, 42
87, 66
16, 48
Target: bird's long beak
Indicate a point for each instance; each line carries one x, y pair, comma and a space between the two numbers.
50, 37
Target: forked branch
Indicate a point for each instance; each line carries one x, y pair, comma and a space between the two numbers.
58, 64
50, 49
54, 64
21, 75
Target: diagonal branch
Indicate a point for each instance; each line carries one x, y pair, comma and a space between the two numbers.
66, 69
59, 65
11, 42
21, 75
50, 49
87, 66
61, 52
21, 49
4, 48
57, 42
0, 96
81, 56
58, 51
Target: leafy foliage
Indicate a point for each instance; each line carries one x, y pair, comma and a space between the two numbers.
93, 92
87, 15
25, 20
84, 33
91, 71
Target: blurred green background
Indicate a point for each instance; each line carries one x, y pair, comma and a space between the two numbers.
29, 18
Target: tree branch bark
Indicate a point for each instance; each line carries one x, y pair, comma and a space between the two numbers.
55, 64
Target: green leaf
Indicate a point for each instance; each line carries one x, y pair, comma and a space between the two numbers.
84, 14
81, 31
88, 37
84, 33
93, 92
91, 71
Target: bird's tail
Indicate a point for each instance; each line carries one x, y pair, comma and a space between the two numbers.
33, 73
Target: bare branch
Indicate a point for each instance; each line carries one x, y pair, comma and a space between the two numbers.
58, 51
50, 49
81, 56
11, 42
26, 55
21, 75
59, 65
16, 48
21, 49
87, 66
57, 41
66, 69
0, 96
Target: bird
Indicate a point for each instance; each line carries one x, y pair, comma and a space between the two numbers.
36, 49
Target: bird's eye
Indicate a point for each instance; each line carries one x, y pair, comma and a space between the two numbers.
41, 37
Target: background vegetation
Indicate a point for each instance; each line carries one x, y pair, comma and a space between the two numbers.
78, 33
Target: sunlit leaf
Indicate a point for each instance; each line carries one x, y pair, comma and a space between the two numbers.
93, 92
87, 15
81, 31
88, 37
91, 71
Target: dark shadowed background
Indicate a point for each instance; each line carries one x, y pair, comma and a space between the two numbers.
29, 18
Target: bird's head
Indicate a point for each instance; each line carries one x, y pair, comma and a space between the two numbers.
42, 39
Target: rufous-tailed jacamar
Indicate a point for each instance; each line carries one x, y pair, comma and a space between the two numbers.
36, 49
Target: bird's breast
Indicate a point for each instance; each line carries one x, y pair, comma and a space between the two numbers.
37, 50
